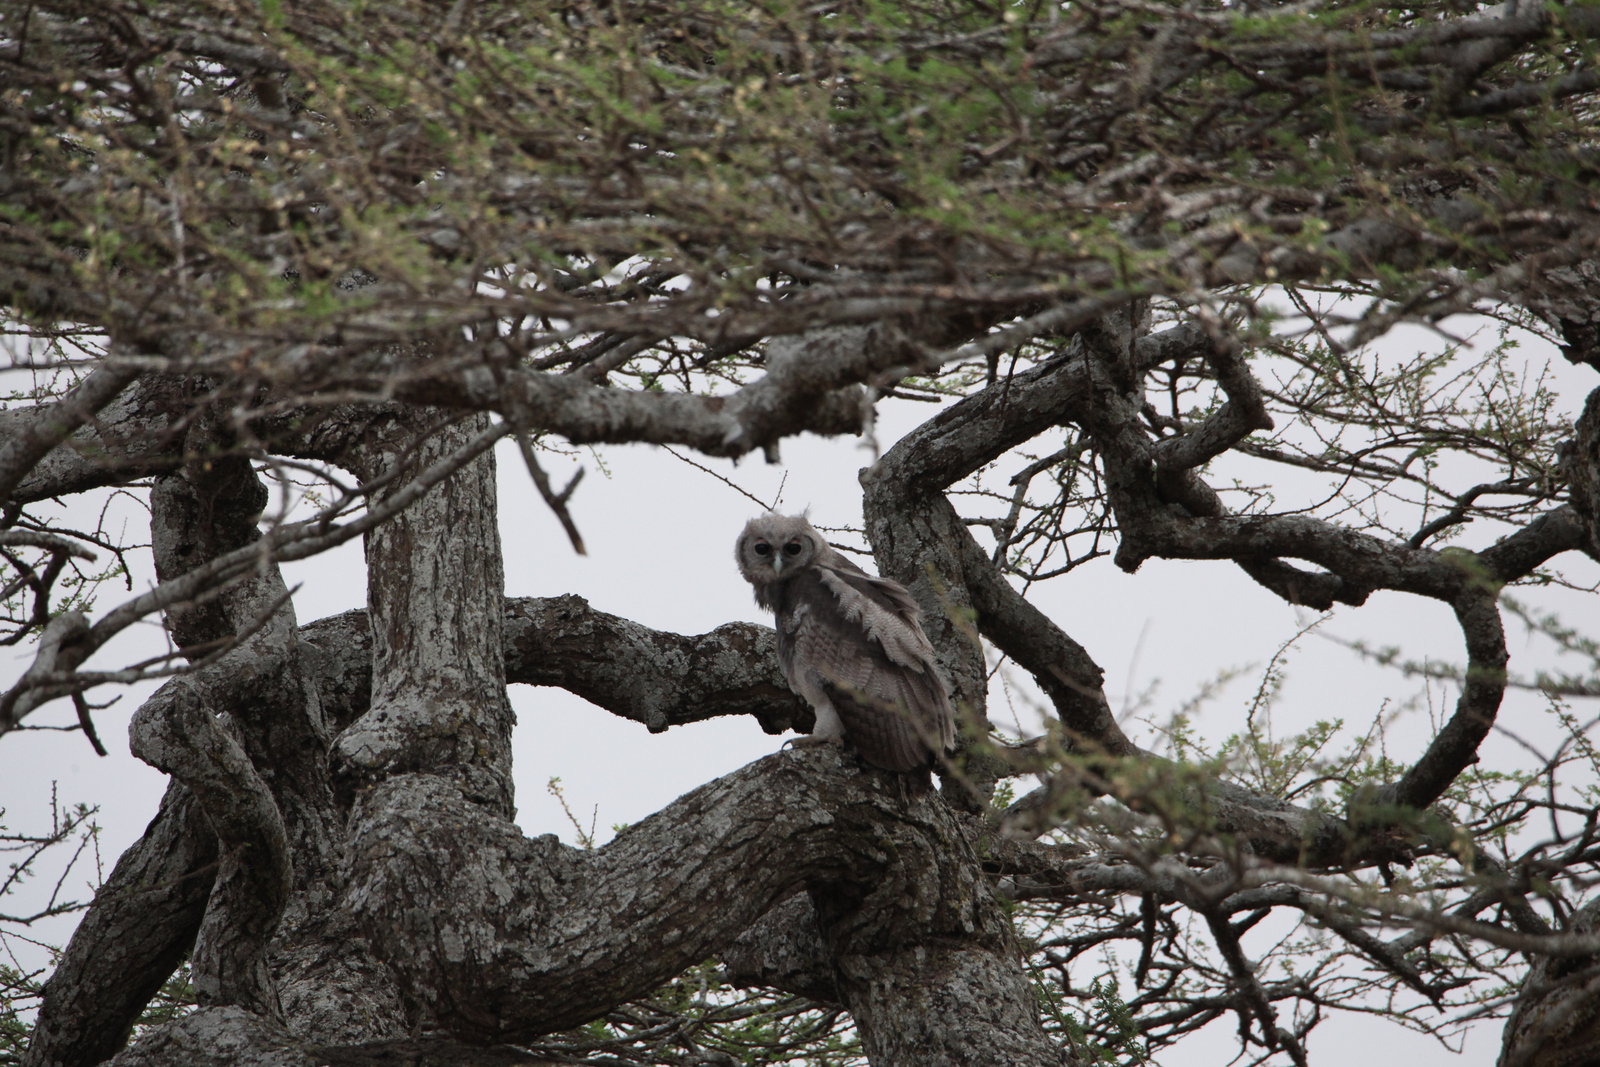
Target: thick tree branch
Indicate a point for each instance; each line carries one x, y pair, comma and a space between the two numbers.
784, 950
1555, 1022
221, 1036
206, 510
1242, 413
1312, 589
918, 539
535, 936
182, 736
809, 385
137, 434
1520, 554
141, 925
982, 427
908, 516
1455, 747
1063, 669
435, 588
1580, 461
28, 436
655, 678
1360, 562
52, 674
652, 677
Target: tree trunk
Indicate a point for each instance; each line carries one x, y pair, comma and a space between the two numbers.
430, 912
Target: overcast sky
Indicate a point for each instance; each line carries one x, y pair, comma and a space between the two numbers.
660, 535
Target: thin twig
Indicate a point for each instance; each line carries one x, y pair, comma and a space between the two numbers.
731, 485
557, 501
87, 724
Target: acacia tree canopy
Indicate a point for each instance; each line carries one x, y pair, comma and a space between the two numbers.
1143, 254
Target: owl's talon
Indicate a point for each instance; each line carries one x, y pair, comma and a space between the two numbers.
809, 740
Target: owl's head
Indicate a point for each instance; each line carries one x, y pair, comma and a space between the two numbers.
773, 546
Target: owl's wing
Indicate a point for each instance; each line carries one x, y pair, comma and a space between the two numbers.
855, 640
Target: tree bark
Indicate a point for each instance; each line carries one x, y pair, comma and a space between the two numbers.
503, 938
434, 586
141, 925
1556, 1020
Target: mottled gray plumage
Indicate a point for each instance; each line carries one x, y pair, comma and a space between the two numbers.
851, 645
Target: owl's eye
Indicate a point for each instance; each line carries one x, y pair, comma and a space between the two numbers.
792, 548
763, 549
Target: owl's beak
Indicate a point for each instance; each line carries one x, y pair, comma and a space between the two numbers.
777, 564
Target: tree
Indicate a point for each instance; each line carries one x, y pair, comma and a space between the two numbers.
1139, 249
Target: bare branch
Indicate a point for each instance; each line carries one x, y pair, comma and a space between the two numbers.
31, 435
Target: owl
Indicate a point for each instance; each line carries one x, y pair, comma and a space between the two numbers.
852, 646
